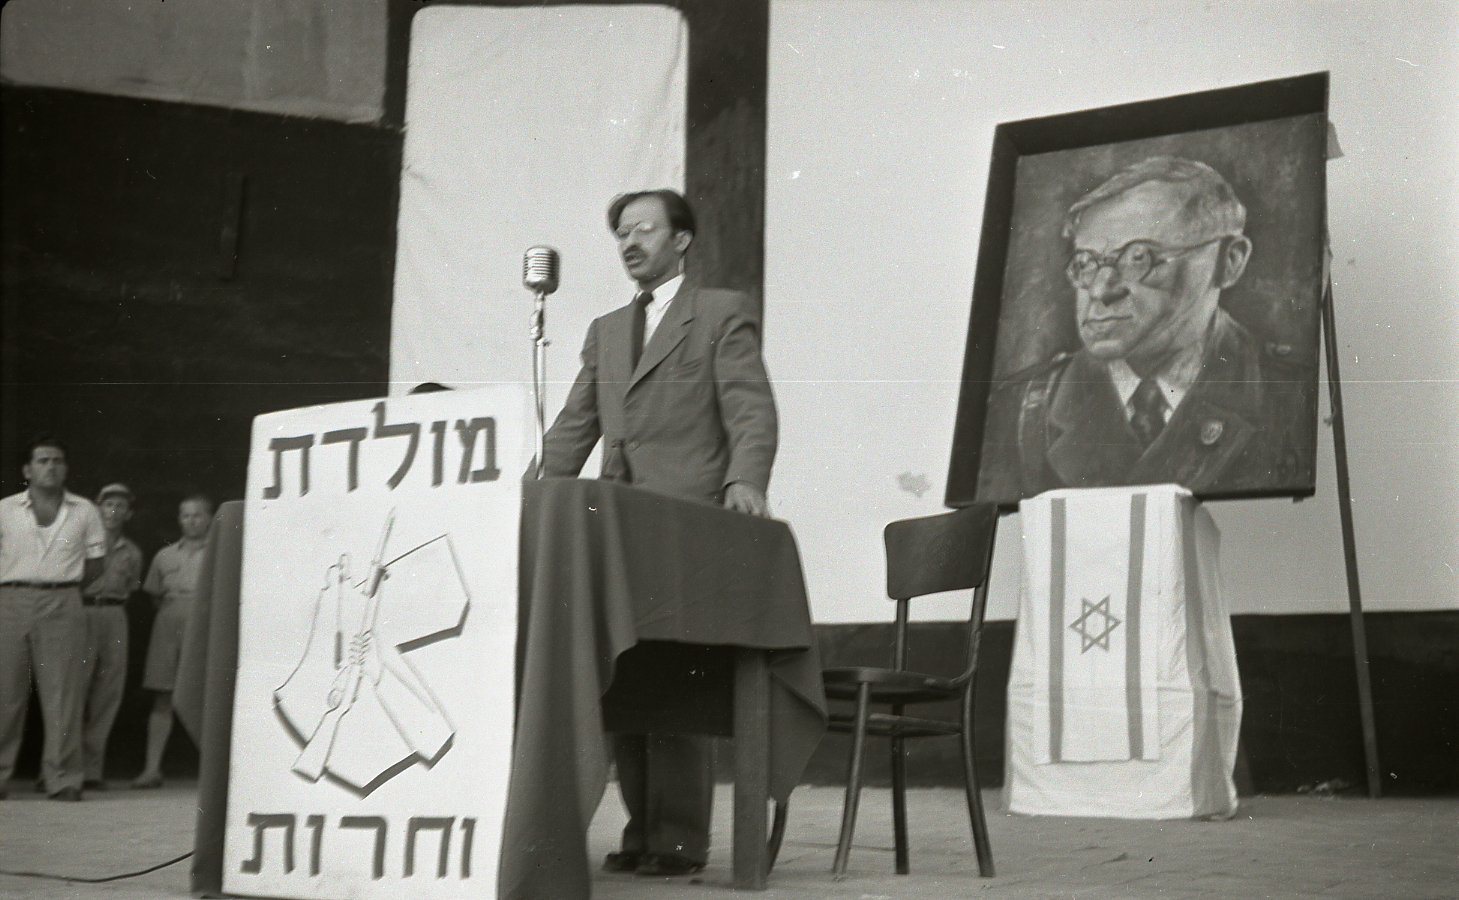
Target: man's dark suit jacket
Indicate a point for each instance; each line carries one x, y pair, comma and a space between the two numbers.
1246, 426
694, 415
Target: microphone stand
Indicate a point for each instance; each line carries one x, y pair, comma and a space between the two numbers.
539, 376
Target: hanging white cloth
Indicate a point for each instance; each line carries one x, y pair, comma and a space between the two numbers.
1123, 696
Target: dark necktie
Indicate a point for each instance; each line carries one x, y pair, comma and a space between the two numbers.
1149, 411
640, 320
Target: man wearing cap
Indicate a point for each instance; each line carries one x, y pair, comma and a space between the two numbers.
51, 542
104, 663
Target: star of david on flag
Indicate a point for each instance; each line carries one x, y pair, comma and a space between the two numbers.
1082, 626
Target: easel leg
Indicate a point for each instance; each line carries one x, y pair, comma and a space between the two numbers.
1350, 551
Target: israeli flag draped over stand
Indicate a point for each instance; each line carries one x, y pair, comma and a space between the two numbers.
1123, 698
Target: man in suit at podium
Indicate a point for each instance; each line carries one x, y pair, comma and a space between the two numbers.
674, 385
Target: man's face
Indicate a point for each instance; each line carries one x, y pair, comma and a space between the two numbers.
47, 468
1144, 320
649, 247
194, 516
116, 509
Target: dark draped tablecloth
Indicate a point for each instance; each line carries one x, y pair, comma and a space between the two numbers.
204, 695
608, 574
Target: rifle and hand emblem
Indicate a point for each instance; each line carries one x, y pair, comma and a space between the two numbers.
361, 711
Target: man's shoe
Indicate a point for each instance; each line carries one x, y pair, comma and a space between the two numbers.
93, 784
621, 861
667, 865
147, 782
66, 793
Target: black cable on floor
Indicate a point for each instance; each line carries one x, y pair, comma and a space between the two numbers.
162, 865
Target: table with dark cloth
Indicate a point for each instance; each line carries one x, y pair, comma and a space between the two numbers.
204, 695
618, 587
614, 582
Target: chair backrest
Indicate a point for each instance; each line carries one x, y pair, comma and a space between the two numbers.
946, 552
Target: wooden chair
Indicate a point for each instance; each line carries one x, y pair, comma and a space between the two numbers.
928, 555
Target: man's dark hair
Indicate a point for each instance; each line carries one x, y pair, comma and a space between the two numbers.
27, 453
681, 215
198, 497
1209, 198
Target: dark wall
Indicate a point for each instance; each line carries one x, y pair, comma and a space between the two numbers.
1300, 726
171, 271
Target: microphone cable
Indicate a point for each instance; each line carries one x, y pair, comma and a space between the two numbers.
53, 877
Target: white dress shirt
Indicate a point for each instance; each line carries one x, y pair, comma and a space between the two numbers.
653, 314
56, 553
1175, 379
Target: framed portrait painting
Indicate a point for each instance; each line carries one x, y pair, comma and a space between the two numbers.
1147, 301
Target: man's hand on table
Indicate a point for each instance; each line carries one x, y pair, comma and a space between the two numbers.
744, 497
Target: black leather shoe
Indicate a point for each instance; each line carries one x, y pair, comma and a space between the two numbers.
621, 861
93, 784
66, 793
667, 865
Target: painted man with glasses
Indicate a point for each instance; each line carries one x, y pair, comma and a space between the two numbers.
1166, 387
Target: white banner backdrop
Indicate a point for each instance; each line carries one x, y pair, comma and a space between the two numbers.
521, 125
372, 719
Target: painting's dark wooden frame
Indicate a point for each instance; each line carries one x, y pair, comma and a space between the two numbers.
1224, 107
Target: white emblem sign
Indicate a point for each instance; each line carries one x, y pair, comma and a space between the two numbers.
373, 709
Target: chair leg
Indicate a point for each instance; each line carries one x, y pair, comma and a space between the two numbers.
777, 834
899, 802
981, 844
853, 780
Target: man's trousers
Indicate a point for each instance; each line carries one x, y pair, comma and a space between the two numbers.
103, 679
667, 781
42, 633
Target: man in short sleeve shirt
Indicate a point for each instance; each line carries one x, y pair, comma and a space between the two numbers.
173, 583
51, 542
104, 662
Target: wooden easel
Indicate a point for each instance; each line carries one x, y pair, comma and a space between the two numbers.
1350, 549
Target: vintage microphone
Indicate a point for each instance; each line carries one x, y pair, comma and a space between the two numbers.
540, 267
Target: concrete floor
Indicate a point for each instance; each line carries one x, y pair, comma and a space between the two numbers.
1335, 848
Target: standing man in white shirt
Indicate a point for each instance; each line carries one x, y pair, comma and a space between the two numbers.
51, 542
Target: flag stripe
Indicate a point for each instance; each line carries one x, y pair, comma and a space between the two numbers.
1206, 774
1056, 632
1133, 710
